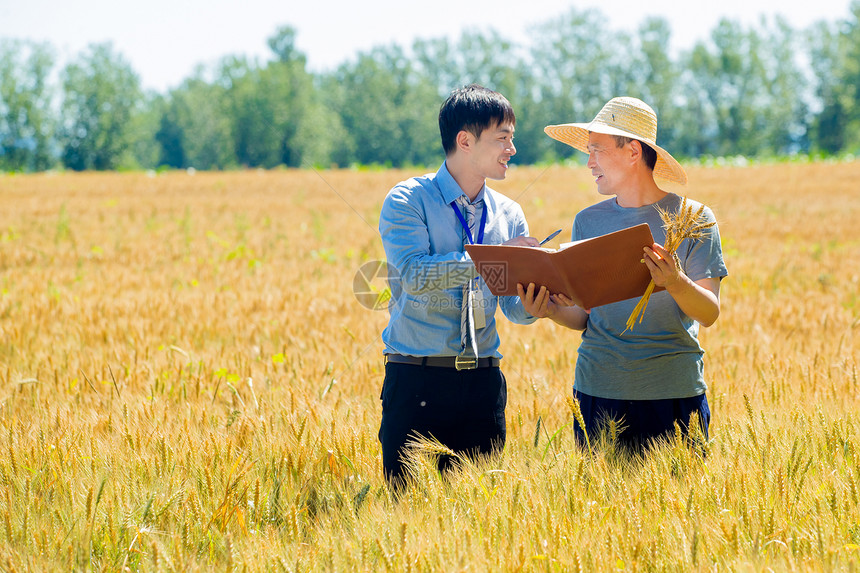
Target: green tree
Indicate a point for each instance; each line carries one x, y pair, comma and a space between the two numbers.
171, 134
251, 105
785, 117
835, 62
829, 126
655, 77
851, 41
145, 122
436, 60
495, 62
100, 95
753, 91
725, 91
194, 130
389, 111
276, 115
572, 70
744, 93
499, 64
490, 60
27, 121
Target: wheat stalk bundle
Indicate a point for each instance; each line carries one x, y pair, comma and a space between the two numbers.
684, 224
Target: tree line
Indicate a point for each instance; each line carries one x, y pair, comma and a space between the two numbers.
761, 91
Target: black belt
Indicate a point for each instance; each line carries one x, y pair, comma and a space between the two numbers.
458, 362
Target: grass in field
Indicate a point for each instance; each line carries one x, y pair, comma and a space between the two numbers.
190, 384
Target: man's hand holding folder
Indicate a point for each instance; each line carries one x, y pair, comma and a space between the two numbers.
588, 273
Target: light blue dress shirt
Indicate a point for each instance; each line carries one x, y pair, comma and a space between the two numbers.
424, 242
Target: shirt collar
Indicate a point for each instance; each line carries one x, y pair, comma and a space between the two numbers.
451, 191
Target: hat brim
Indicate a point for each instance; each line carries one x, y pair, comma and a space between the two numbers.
576, 135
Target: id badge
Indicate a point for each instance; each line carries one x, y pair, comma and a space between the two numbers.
479, 314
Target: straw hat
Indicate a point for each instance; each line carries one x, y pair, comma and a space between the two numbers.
625, 116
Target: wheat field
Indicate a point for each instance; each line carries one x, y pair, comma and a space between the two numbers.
190, 384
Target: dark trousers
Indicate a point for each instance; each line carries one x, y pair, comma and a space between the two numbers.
463, 410
641, 421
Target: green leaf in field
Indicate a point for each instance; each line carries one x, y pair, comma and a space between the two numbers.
359, 497
383, 298
9, 235
216, 239
326, 255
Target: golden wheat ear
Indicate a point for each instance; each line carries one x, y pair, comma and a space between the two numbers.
683, 224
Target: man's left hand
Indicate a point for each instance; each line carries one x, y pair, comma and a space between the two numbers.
661, 263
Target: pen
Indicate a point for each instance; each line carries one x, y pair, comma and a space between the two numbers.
550, 237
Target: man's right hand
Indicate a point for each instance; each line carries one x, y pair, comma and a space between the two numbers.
522, 242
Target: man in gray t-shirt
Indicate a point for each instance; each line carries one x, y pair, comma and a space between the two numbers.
651, 376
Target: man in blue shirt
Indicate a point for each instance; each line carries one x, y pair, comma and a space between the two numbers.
442, 375
652, 376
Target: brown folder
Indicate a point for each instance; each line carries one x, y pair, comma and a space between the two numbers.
591, 272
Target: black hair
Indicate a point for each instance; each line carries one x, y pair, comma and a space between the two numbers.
649, 154
472, 108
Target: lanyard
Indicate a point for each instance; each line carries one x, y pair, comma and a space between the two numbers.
466, 226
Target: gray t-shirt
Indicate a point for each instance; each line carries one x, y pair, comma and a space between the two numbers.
660, 357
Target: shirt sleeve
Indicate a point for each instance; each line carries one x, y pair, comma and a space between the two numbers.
512, 306
406, 238
704, 257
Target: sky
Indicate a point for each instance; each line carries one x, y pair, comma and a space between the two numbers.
164, 40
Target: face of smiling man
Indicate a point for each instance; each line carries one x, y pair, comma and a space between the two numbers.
493, 150
609, 164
